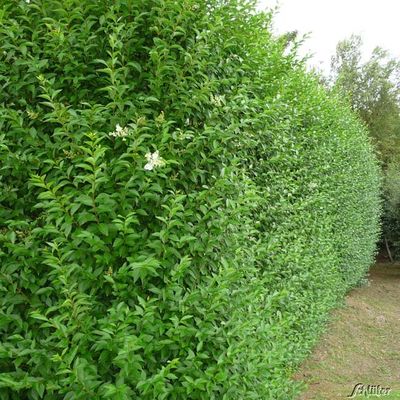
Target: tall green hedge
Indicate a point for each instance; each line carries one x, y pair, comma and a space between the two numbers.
181, 204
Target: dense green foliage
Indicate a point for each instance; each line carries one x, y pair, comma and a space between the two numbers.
181, 204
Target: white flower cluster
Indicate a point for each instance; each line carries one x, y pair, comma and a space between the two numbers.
153, 160
120, 132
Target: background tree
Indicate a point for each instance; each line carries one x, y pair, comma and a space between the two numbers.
373, 90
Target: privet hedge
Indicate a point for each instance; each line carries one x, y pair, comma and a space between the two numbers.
181, 204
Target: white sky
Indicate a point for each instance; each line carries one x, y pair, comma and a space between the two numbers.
328, 21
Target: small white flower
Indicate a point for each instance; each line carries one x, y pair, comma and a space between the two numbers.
153, 160
120, 132
27, 1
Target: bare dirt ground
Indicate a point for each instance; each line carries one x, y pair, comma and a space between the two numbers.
361, 344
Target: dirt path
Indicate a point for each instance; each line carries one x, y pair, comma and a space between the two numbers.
362, 343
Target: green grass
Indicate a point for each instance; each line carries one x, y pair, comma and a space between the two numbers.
393, 396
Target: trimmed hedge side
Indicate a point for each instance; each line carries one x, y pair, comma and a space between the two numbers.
181, 204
